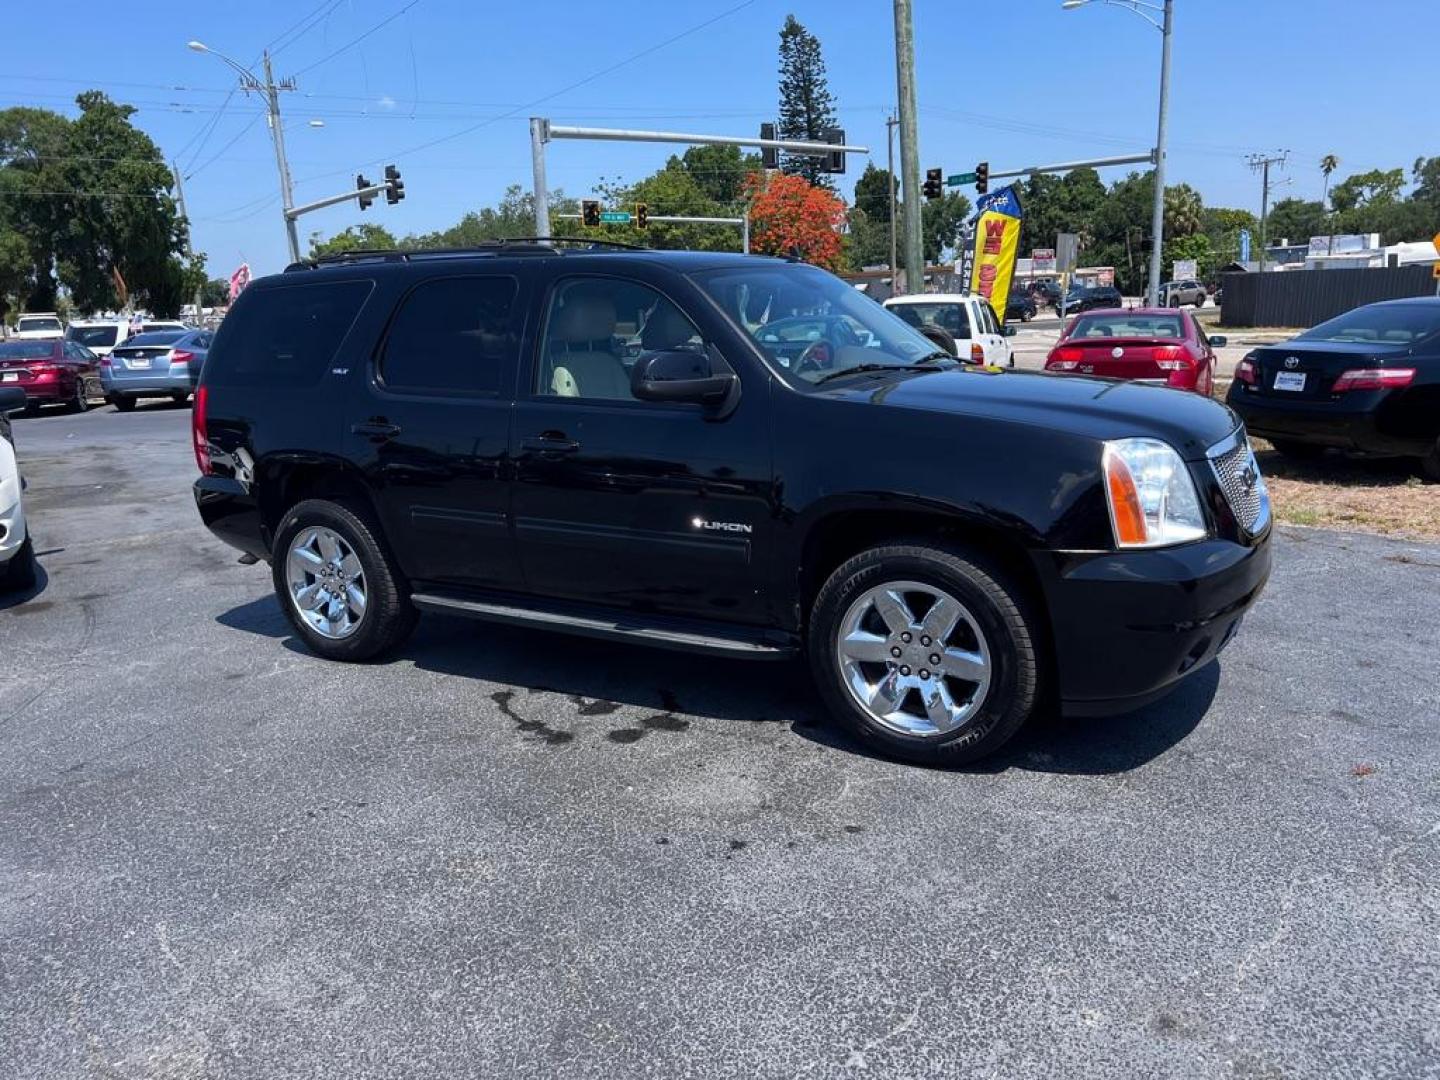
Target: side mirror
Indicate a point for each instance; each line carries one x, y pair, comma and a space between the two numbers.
12, 398
1218, 341
1009, 330
679, 375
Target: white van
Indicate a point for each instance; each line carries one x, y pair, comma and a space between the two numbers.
968, 319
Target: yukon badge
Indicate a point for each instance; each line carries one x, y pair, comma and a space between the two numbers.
721, 526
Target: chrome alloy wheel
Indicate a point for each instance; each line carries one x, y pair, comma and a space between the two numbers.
914, 658
327, 583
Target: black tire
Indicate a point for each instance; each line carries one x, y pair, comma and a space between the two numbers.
1298, 451
32, 409
179, 399
80, 402
19, 573
389, 616
123, 404
999, 607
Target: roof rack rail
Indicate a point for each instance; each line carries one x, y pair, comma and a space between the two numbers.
508, 245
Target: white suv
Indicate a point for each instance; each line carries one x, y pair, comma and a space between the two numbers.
968, 319
38, 324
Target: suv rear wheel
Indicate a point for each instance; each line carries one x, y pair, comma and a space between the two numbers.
337, 583
925, 652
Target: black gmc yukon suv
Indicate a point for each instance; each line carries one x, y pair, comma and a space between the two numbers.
724, 454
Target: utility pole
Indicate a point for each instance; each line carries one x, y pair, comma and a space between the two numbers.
890, 123
909, 146
539, 135
1262, 163
189, 243
1157, 218
287, 195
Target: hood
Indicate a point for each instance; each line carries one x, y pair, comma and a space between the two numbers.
1091, 408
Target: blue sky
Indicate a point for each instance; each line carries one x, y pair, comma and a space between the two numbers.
1013, 82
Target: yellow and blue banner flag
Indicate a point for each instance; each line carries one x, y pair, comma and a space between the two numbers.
989, 258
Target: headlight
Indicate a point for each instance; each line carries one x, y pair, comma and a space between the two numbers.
1152, 498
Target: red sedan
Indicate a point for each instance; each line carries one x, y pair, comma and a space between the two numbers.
51, 372
1164, 346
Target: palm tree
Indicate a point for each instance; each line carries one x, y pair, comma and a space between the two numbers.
1328, 164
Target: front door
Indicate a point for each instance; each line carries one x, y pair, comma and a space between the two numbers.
649, 506
431, 428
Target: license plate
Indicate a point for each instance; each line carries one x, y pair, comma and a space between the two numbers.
142, 363
1290, 380
9, 376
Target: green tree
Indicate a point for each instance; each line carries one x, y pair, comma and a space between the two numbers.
215, 293
366, 237
940, 223
719, 172
32, 153
807, 108
1426, 174
872, 193
1367, 188
1222, 226
1295, 220
513, 216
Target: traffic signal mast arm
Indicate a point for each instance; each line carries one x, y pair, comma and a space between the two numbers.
363, 192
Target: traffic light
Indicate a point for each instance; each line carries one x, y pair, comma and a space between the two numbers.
590, 213
934, 183
982, 178
395, 187
835, 160
642, 216
361, 184
769, 156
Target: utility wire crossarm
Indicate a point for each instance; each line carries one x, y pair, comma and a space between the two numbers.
542, 132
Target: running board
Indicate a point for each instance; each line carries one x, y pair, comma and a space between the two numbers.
660, 631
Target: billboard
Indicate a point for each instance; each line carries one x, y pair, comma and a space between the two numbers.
989, 262
1042, 261
1182, 269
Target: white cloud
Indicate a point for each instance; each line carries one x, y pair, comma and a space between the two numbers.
386, 102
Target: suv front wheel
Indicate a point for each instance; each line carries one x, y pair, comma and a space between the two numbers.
926, 653
337, 583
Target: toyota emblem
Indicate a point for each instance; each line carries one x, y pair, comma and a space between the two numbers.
1117, 352
1292, 362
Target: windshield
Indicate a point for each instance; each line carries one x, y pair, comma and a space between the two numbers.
1383, 324
1122, 325
950, 317
91, 336
26, 350
29, 323
810, 323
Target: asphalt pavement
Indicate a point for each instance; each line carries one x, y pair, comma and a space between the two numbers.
511, 853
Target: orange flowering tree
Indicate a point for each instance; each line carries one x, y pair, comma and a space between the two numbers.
789, 216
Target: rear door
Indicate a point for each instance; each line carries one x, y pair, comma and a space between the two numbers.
989, 334
430, 425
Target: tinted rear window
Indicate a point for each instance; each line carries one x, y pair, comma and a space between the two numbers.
1382, 324
1122, 325
91, 336
284, 336
26, 350
158, 337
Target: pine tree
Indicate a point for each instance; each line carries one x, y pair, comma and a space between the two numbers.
807, 107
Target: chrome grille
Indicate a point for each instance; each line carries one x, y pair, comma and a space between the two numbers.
1239, 475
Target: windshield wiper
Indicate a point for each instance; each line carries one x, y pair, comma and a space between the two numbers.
861, 368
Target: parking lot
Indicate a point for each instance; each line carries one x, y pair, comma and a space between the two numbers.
510, 852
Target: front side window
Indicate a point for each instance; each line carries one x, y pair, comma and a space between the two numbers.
781, 305
452, 336
597, 329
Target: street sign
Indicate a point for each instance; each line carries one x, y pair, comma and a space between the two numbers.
1067, 251
956, 179
1042, 260
615, 217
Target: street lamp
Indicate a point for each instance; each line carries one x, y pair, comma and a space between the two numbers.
1165, 24
248, 81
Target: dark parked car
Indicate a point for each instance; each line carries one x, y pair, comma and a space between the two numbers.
1021, 305
51, 371
456, 433
162, 363
1367, 381
1089, 297
1046, 292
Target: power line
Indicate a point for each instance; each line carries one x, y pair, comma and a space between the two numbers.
217, 155
301, 28
356, 41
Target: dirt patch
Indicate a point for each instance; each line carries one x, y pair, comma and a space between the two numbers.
1336, 492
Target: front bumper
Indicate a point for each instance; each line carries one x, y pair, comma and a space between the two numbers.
1355, 423
230, 511
1129, 625
12, 510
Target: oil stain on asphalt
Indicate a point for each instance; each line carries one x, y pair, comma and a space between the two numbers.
543, 731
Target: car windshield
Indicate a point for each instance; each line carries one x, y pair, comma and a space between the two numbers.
1384, 324
156, 337
812, 324
1122, 325
91, 336
35, 322
26, 350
